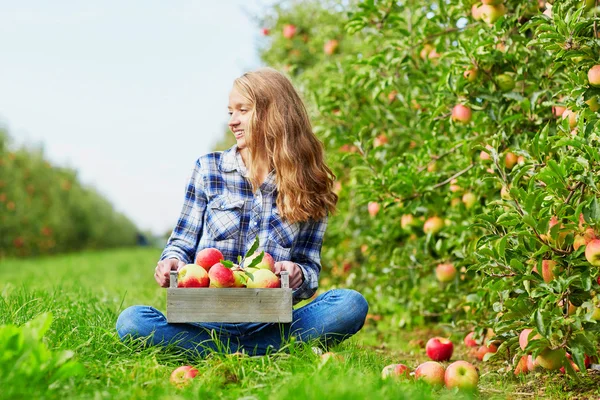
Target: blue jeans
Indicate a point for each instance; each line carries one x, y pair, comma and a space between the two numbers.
330, 318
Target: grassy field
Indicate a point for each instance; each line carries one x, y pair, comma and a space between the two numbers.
85, 293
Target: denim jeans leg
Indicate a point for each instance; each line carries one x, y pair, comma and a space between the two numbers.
332, 317
148, 322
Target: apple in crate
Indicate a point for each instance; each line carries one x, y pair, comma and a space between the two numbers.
182, 376
263, 278
221, 276
267, 262
192, 276
239, 278
208, 257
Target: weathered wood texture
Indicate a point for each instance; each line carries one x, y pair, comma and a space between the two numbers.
229, 304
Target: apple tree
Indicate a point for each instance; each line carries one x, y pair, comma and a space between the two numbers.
462, 134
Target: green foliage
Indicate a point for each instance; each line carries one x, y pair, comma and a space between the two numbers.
27, 366
383, 105
44, 209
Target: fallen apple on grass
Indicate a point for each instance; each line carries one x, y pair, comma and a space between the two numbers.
439, 349
482, 350
431, 372
551, 359
469, 341
182, 376
462, 375
395, 371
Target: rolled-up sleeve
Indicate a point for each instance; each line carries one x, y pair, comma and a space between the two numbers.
306, 254
183, 241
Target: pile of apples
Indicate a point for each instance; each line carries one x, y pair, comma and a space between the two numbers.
460, 374
211, 270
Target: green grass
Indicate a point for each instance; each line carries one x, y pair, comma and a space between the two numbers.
85, 293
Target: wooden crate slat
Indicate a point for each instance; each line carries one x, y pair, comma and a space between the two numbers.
229, 305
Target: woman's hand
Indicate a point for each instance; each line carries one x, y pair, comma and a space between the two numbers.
296, 275
163, 269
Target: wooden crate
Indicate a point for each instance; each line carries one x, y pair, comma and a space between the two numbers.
229, 304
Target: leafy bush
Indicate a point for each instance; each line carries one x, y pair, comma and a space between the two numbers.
28, 369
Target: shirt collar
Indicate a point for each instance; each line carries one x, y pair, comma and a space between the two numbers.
228, 160
231, 160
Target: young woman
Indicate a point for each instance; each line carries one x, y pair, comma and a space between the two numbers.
273, 183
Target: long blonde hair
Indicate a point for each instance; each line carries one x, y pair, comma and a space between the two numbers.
280, 133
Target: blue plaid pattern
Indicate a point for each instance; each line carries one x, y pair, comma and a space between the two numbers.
221, 211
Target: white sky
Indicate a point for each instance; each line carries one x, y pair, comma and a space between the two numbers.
128, 92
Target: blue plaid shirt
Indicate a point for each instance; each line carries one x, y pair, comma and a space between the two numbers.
221, 211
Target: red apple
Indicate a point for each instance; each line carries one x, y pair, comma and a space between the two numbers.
221, 276
239, 279
395, 371
461, 113
521, 367
592, 252
182, 376
594, 76
551, 358
192, 276
373, 208
330, 46
532, 364
548, 270
380, 140
445, 273
524, 338
431, 372
265, 31
572, 116
578, 241
267, 262
475, 11
483, 350
469, 341
289, 31
263, 278
462, 375
510, 160
206, 258
558, 111
433, 225
439, 349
